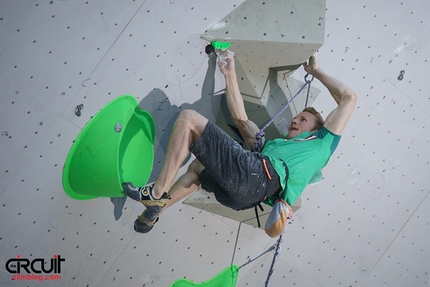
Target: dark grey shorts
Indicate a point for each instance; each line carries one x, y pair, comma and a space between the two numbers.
237, 177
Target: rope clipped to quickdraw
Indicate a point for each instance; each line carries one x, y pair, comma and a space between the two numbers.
274, 246
277, 248
309, 88
272, 267
259, 143
259, 136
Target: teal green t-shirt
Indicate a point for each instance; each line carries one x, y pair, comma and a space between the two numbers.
305, 156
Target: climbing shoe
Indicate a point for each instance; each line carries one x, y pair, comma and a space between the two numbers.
145, 222
144, 195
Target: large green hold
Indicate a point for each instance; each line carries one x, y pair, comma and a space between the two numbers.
226, 278
116, 145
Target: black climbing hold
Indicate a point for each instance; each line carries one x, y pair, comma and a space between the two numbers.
78, 109
209, 49
400, 77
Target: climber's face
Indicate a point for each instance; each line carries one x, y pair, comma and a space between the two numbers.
303, 122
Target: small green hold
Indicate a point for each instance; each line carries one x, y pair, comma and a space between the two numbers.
221, 45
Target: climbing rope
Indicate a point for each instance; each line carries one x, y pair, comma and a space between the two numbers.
277, 248
259, 136
259, 143
272, 267
235, 244
250, 260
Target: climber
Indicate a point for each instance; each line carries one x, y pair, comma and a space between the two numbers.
241, 179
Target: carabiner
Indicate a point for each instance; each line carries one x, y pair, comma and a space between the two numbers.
306, 78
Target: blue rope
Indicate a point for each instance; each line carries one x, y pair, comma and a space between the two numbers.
277, 253
259, 136
259, 143
235, 245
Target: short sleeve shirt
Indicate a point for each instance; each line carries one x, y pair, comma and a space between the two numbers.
304, 155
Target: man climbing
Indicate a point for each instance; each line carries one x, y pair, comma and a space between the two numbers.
241, 179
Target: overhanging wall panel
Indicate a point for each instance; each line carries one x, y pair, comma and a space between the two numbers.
273, 33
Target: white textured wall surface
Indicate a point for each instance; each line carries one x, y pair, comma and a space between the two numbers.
366, 224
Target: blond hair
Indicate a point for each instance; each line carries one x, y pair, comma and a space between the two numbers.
319, 123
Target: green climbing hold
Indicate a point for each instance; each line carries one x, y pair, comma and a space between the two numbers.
226, 278
221, 45
116, 145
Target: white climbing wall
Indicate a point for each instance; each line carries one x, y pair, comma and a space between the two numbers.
366, 224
